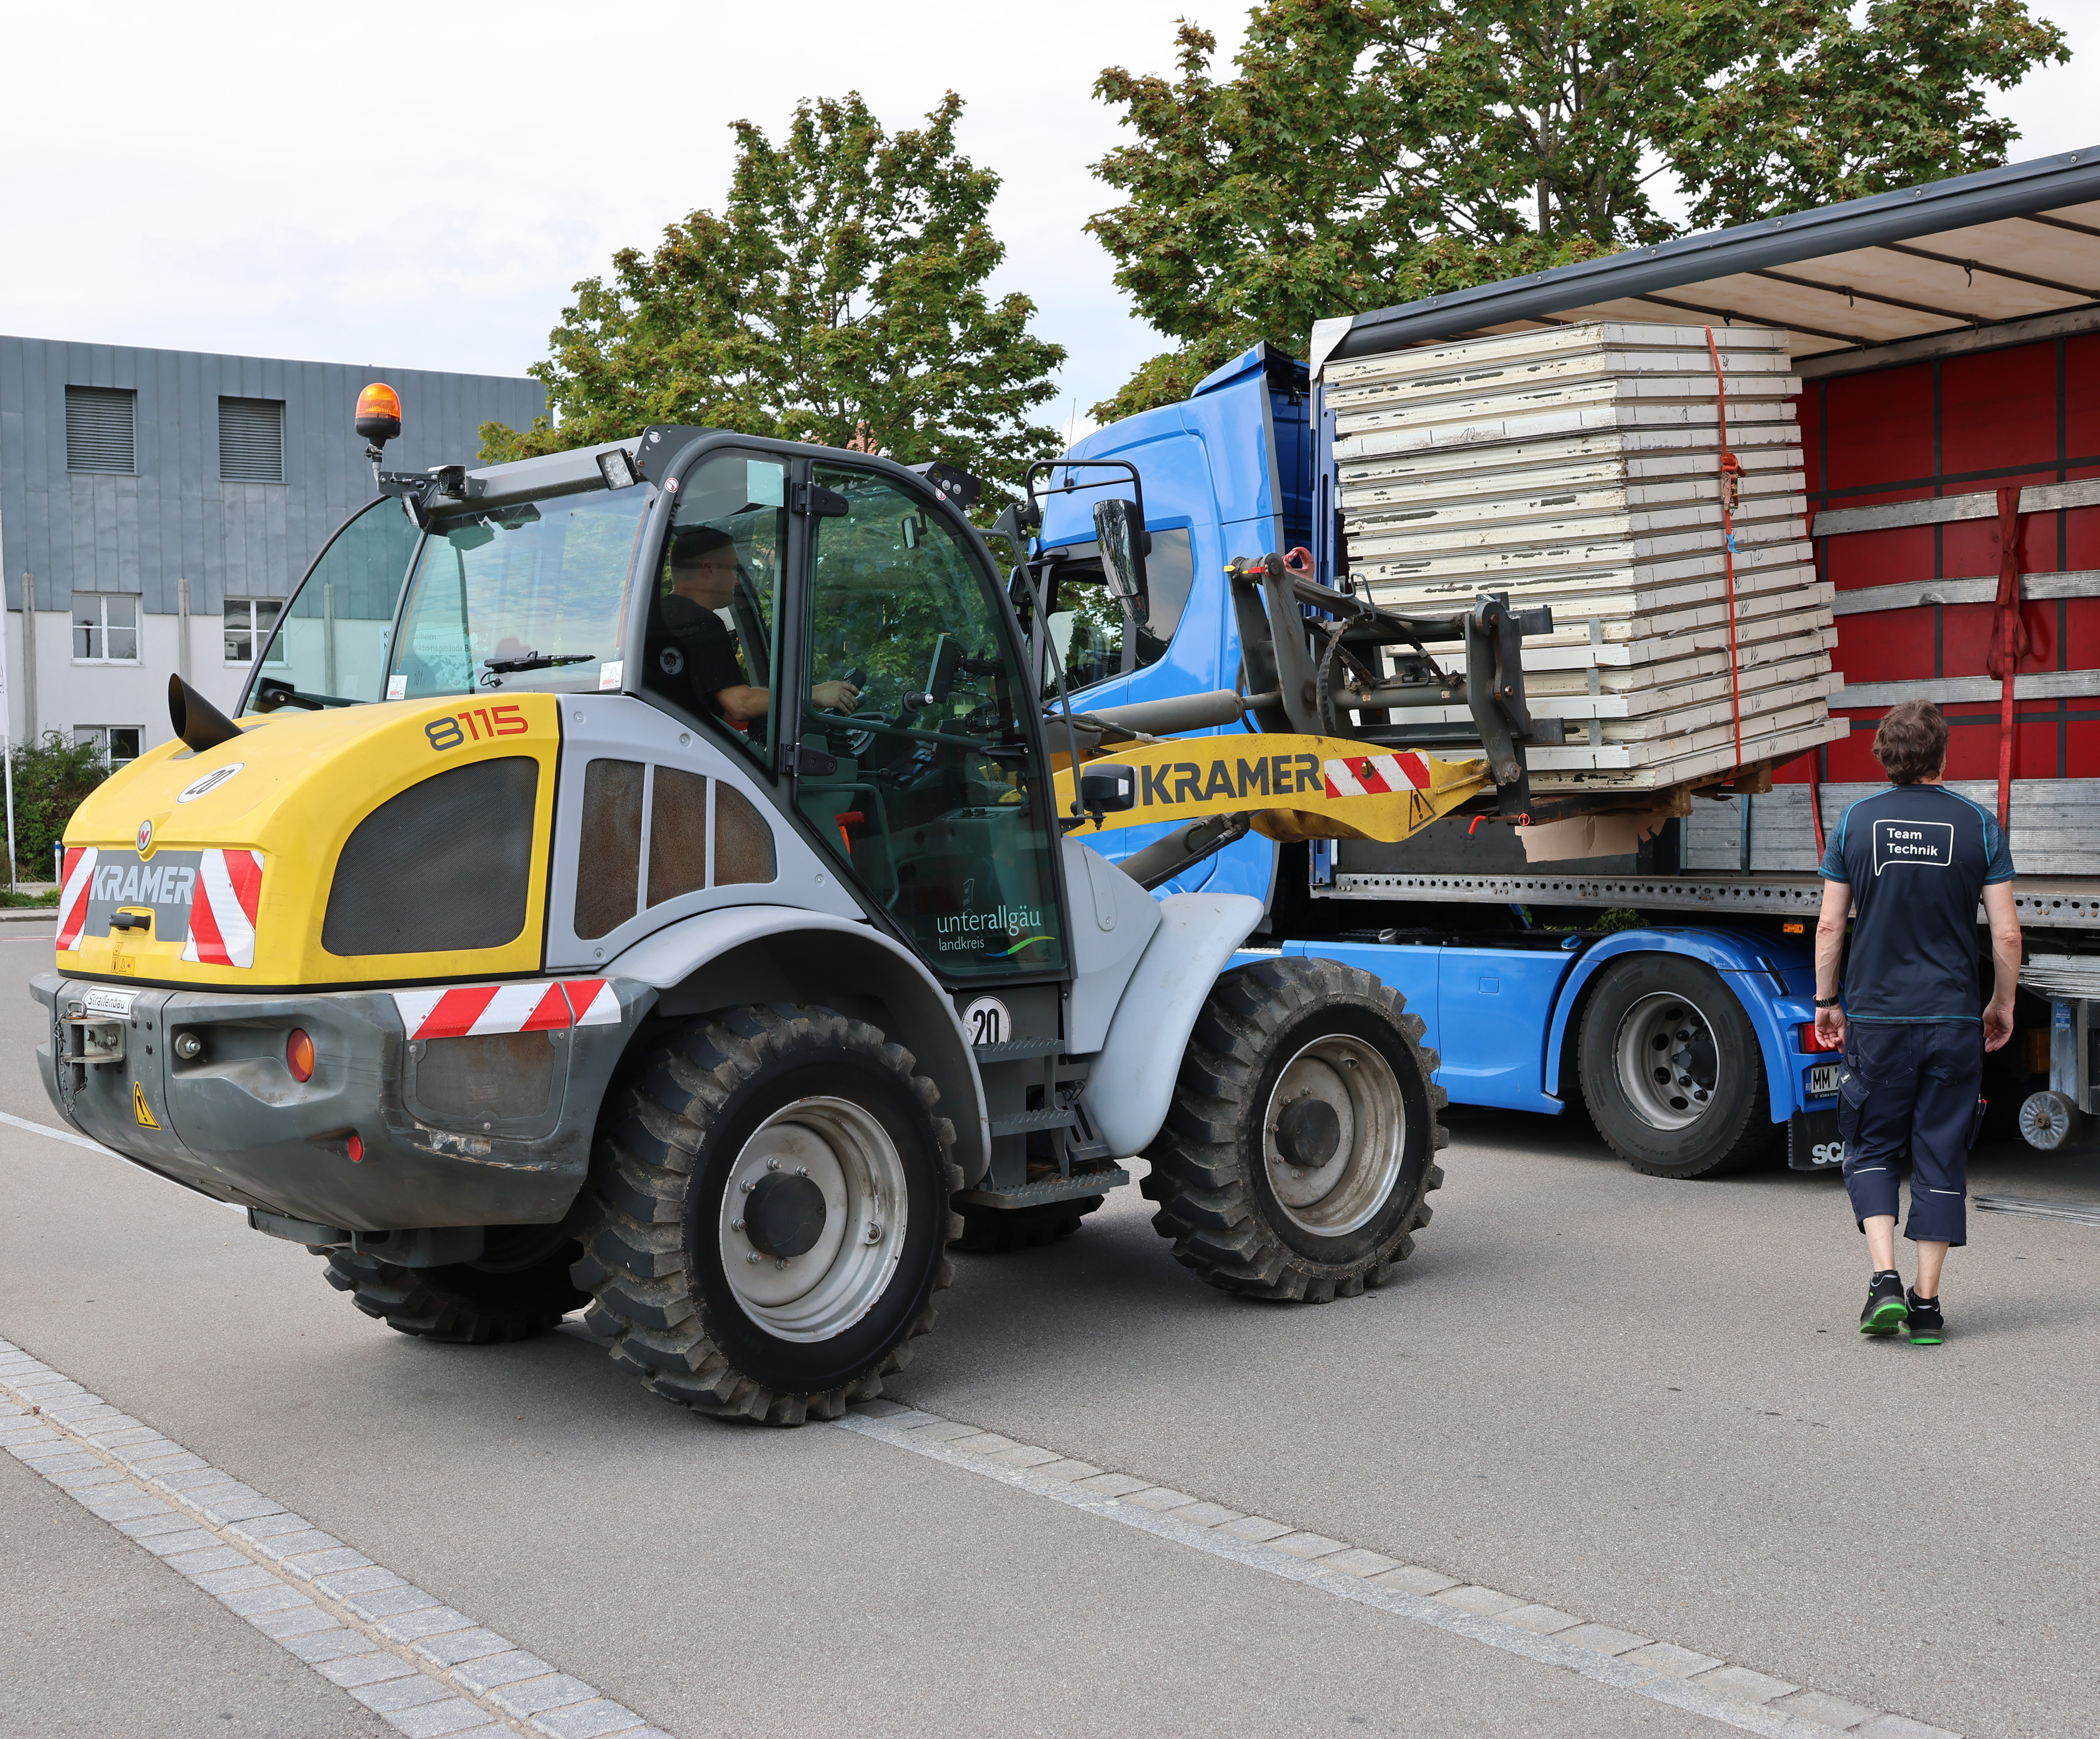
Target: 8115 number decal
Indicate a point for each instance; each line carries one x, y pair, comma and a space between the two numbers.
480, 722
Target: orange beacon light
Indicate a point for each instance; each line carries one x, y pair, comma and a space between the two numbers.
379, 413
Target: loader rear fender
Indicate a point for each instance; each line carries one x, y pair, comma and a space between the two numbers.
765, 954
1133, 1081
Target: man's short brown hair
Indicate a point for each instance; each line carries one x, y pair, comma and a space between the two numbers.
1912, 743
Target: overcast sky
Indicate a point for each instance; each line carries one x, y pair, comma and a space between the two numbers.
419, 186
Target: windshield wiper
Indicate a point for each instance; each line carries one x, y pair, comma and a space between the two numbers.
536, 661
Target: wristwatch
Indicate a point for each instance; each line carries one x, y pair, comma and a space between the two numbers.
1828, 1002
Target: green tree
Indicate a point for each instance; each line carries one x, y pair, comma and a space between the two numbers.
1366, 153
51, 777
839, 296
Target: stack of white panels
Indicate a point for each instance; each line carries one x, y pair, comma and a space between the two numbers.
1580, 466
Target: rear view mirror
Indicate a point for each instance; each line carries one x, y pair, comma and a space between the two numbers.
1111, 788
1125, 543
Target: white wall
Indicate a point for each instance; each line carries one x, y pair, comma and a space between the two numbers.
70, 694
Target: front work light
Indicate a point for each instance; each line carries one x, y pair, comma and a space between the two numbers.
617, 468
299, 1055
379, 413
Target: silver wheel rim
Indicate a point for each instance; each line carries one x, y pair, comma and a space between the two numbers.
1668, 1061
1354, 1080
849, 1155
2045, 1120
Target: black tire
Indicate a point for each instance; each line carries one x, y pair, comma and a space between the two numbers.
1699, 1107
520, 1287
989, 1230
698, 1110
1216, 1168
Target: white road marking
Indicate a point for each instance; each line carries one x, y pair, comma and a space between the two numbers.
1699, 1685
77, 1139
425, 1668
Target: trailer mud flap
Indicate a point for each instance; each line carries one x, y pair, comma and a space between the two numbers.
1813, 1143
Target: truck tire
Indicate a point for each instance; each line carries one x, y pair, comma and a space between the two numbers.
1672, 1072
519, 1288
1272, 1038
991, 1229
735, 1147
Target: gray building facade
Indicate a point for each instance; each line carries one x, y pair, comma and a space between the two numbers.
156, 506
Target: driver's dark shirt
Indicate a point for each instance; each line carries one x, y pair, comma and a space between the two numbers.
695, 657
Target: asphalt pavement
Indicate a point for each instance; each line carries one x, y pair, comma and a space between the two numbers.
1640, 1402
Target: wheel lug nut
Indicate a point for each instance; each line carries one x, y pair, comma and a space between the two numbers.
736, 1226
751, 1255
874, 1232
780, 1262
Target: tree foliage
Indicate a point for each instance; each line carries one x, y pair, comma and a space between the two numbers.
839, 296
51, 778
1366, 153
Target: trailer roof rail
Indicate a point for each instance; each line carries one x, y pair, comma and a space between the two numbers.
1987, 257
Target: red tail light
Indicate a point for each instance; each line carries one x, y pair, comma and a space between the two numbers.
299, 1055
1812, 1041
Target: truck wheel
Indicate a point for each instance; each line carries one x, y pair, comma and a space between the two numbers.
1671, 1069
1298, 1150
771, 1211
520, 1287
990, 1230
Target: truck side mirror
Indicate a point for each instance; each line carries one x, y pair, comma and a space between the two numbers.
1125, 543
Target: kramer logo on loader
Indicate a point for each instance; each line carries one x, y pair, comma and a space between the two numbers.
1302, 787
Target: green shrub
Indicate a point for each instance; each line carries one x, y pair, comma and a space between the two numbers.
50, 779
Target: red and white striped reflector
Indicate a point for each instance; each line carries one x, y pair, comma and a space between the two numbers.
77, 877
469, 1011
1375, 775
222, 910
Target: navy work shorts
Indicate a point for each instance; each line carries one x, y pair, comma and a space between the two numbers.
1914, 1084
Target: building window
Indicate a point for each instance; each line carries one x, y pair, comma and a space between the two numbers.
105, 627
101, 429
248, 621
118, 744
251, 441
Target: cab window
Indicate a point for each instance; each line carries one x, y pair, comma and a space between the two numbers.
329, 648
1095, 638
710, 648
522, 597
938, 802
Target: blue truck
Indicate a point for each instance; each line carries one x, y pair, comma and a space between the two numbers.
1667, 991
1690, 1045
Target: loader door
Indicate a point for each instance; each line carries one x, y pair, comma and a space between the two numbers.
932, 791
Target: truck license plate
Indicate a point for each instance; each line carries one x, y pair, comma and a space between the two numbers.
1822, 1079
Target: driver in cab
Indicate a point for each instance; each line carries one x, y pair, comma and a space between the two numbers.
698, 652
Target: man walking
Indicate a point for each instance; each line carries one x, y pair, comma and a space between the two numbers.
1907, 865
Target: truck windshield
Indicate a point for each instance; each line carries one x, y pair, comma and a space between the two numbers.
524, 596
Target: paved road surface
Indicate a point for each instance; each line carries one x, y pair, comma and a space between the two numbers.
1642, 1403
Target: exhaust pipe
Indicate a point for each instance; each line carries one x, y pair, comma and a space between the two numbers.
196, 721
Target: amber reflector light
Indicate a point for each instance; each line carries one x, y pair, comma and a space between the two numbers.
299, 1055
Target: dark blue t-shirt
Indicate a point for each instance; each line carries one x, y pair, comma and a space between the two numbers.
1917, 858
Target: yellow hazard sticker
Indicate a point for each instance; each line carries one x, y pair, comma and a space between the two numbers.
1300, 787
140, 1110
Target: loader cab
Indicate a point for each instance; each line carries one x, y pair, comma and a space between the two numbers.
829, 619
865, 662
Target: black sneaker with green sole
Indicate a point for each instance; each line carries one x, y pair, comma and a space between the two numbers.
1928, 1328
1885, 1310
